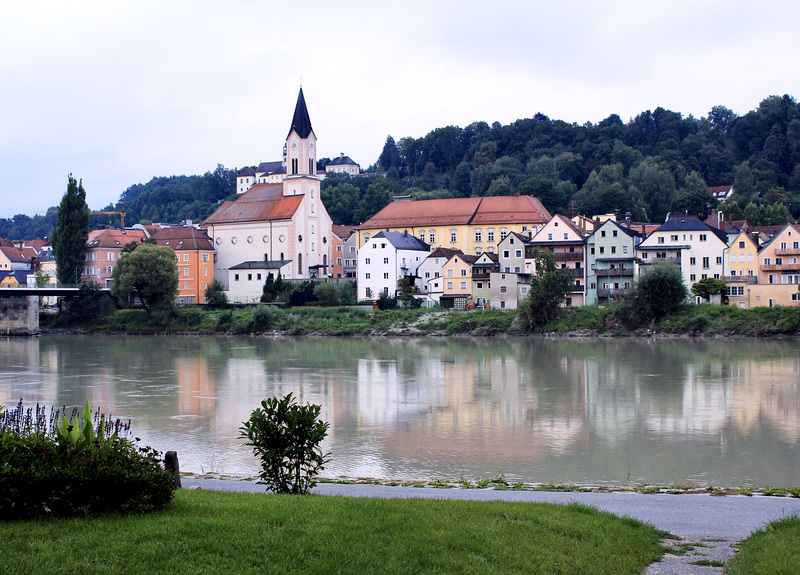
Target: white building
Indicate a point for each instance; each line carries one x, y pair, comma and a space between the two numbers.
429, 279
697, 248
385, 259
278, 221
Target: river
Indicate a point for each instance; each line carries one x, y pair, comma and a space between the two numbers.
599, 411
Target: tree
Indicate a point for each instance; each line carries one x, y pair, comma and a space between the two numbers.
693, 197
71, 232
657, 292
707, 287
215, 295
549, 288
268, 292
327, 294
149, 273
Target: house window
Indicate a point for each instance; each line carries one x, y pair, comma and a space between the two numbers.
463, 285
185, 285
369, 292
549, 236
386, 275
673, 238
453, 236
702, 237
614, 233
566, 236
503, 289
602, 233
249, 277
478, 236
692, 261
719, 260
236, 277
490, 235
767, 261
449, 285
518, 254
613, 249
741, 245
205, 258
385, 260
523, 290
366, 261
186, 271
705, 263
422, 235
503, 233
661, 239
624, 249
367, 275
186, 257
432, 237
506, 254
463, 271
205, 272
503, 304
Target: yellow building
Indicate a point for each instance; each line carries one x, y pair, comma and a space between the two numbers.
457, 274
779, 270
740, 270
473, 225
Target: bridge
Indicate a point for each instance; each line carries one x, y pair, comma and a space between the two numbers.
19, 306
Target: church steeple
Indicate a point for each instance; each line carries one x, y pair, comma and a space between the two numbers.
301, 123
301, 142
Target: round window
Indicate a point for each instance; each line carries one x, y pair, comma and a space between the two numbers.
249, 239
234, 240
266, 239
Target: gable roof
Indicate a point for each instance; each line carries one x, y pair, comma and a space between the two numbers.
466, 258
261, 265
446, 253
488, 210
301, 123
114, 238
15, 255
403, 241
342, 232
342, 160
689, 223
626, 230
792, 227
183, 238
261, 203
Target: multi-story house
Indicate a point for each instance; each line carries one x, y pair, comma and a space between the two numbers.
484, 266
740, 268
472, 225
103, 249
611, 264
511, 253
194, 256
14, 259
350, 257
507, 289
385, 260
278, 221
429, 279
343, 165
779, 270
567, 244
457, 277
339, 236
684, 240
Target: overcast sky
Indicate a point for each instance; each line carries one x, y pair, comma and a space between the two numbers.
118, 92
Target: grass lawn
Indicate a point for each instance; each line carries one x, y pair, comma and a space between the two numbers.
773, 550
210, 532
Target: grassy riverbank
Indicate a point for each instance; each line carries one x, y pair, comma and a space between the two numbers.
208, 532
695, 320
769, 551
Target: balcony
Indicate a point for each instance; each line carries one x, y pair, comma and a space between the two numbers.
740, 279
576, 272
580, 289
615, 273
647, 262
788, 252
568, 255
780, 268
481, 276
610, 292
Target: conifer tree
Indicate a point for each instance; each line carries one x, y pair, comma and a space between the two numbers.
71, 232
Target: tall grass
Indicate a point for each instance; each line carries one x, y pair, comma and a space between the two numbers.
770, 551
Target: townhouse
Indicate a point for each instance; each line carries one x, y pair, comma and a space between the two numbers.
689, 243
779, 270
194, 256
385, 260
429, 278
567, 244
611, 263
740, 268
103, 249
457, 277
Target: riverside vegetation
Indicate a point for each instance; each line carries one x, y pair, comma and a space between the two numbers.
688, 319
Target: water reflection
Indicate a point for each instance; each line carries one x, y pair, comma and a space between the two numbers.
726, 412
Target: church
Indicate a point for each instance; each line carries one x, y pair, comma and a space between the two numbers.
279, 227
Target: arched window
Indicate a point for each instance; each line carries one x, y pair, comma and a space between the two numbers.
324, 259
300, 264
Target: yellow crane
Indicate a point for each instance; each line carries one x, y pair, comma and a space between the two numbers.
101, 213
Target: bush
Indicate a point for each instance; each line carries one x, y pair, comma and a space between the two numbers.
658, 292
263, 319
67, 470
385, 301
90, 304
286, 437
215, 295
224, 320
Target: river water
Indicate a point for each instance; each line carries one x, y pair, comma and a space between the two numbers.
598, 411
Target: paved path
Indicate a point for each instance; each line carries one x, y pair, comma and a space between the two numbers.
710, 524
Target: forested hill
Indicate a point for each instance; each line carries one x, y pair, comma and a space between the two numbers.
657, 162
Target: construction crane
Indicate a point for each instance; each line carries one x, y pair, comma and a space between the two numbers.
102, 213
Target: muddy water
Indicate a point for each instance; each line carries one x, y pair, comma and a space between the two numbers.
719, 412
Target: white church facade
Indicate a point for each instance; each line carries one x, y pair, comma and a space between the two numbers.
276, 222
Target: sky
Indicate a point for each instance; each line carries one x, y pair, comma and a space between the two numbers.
117, 93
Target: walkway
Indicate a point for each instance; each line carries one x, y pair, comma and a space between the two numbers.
708, 526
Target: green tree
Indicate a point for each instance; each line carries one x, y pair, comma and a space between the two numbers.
71, 232
149, 273
707, 287
268, 292
693, 197
657, 292
215, 295
327, 294
549, 288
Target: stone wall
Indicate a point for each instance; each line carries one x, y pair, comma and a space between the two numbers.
19, 315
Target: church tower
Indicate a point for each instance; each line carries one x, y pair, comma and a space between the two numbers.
301, 143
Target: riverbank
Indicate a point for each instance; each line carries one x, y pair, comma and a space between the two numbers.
591, 321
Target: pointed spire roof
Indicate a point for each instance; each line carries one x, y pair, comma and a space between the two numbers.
301, 123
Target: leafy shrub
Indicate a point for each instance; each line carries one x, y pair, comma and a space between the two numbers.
263, 319
216, 296
386, 302
224, 320
286, 436
69, 469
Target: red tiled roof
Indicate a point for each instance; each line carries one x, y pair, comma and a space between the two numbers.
459, 211
262, 202
342, 232
444, 253
114, 238
183, 238
15, 254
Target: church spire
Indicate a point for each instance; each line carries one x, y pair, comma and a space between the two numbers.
301, 123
